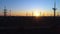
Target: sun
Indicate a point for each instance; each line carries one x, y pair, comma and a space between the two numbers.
37, 14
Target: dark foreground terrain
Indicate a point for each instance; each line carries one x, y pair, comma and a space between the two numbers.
29, 25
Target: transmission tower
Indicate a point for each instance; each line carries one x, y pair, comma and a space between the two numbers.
10, 12
54, 7
32, 13
26, 14
5, 11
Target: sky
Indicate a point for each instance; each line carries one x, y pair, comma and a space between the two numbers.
21, 7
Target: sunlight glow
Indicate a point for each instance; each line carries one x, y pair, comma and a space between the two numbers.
36, 13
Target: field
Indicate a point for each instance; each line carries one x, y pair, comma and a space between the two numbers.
29, 24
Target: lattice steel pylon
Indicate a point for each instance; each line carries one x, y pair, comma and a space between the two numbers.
54, 8
5, 11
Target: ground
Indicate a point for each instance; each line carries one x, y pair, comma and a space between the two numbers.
29, 25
